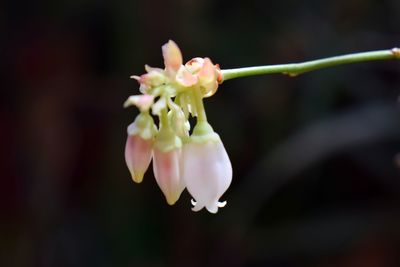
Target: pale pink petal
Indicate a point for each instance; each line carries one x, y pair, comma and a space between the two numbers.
153, 77
207, 72
138, 152
209, 89
172, 56
208, 76
145, 77
143, 102
166, 168
185, 78
152, 69
137, 78
194, 65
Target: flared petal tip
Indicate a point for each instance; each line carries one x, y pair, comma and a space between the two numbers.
212, 208
221, 204
135, 77
195, 205
143, 102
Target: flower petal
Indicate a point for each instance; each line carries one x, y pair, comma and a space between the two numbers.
194, 65
208, 76
207, 72
143, 102
172, 56
154, 78
185, 78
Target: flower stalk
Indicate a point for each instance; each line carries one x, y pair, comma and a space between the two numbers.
294, 69
201, 113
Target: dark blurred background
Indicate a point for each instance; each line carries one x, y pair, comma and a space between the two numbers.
315, 176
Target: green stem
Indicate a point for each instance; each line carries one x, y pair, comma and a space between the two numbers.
164, 118
201, 113
294, 69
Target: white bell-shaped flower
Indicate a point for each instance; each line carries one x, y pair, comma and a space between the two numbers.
206, 168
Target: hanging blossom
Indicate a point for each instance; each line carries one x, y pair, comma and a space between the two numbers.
197, 162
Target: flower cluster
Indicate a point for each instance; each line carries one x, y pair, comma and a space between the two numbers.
196, 161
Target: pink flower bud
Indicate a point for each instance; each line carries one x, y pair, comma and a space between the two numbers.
166, 168
208, 77
207, 172
138, 152
207, 73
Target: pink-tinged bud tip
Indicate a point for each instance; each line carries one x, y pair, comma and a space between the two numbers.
138, 153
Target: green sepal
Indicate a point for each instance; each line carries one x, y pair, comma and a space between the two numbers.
143, 126
203, 132
167, 140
